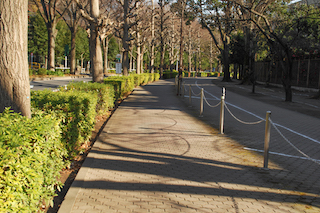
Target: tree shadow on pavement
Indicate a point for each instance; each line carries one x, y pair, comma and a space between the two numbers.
212, 177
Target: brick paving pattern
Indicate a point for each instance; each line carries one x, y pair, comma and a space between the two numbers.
155, 156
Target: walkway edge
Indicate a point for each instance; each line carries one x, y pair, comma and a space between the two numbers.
78, 182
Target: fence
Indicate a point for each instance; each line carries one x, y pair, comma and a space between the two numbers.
305, 73
187, 91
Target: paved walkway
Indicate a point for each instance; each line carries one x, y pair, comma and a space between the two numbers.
155, 156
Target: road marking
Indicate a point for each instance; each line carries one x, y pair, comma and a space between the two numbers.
251, 113
281, 154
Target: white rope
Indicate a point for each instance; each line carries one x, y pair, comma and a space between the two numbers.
308, 157
185, 88
210, 104
194, 93
244, 122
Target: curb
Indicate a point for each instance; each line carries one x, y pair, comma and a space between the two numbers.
56, 78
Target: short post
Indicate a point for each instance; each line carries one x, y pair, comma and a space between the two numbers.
222, 110
183, 90
176, 81
201, 103
267, 140
190, 94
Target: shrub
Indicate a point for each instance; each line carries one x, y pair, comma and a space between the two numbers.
59, 73
76, 110
111, 71
42, 71
202, 74
186, 74
122, 84
145, 78
51, 72
156, 76
168, 74
216, 74
105, 94
138, 79
31, 159
32, 72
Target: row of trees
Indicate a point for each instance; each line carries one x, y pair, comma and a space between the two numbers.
146, 33
240, 32
246, 31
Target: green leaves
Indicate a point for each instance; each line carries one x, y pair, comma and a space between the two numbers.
76, 111
27, 175
34, 151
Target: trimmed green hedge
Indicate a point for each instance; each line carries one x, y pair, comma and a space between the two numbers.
34, 151
122, 85
76, 110
31, 159
106, 94
168, 74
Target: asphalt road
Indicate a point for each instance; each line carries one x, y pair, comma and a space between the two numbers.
55, 83
294, 128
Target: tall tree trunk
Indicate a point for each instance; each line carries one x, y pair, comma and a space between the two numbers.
138, 53
171, 53
96, 57
73, 51
152, 40
125, 39
211, 57
14, 74
81, 65
190, 51
183, 5
52, 34
105, 54
287, 78
143, 47
226, 64
95, 49
162, 51
130, 61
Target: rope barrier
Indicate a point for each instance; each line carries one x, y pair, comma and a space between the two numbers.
194, 93
291, 144
244, 122
205, 99
185, 88
253, 123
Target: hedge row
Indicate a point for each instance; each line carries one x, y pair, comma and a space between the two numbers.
125, 84
105, 94
34, 151
76, 111
31, 157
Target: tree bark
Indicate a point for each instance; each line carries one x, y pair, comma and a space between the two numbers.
125, 38
96, 56
138, 53
52, 34
73, 51
152, 40
226, 64
95, 49
105, 54
14, 74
